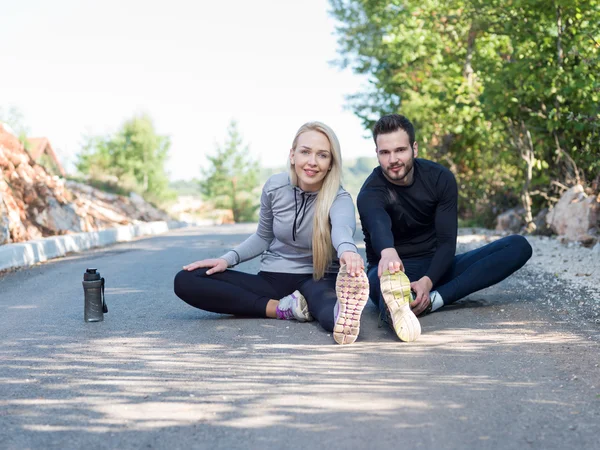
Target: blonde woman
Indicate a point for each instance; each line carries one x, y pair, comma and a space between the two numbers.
306, 225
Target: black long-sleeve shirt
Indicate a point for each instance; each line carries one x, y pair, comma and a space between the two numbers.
418, 220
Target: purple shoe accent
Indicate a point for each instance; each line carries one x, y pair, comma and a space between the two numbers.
286, 314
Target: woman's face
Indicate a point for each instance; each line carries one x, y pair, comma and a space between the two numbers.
311, 160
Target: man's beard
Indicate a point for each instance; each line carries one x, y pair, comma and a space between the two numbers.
400, 176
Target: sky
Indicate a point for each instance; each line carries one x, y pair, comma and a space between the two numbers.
81, 67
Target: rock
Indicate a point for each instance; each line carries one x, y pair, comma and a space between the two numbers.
145, 210
63, 218
13, 214
4, 223
575, 216
587, 240
511, 220
35, 204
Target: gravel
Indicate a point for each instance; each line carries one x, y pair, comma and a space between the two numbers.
569, 271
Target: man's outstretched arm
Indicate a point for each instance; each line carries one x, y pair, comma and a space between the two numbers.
377, 222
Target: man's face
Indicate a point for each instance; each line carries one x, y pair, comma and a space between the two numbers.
396, 157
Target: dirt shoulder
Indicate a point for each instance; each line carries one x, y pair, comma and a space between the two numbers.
569, 273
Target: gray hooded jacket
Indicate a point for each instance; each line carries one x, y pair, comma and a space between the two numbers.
285, 229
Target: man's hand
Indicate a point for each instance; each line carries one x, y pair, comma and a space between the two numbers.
354, 263
422, 288
389, 261
216, 265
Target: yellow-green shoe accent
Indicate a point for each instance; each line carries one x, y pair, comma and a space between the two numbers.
352, 296
395, 289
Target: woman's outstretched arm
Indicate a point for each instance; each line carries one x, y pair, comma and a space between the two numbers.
253, 246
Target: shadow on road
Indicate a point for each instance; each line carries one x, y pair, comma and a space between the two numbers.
250, 376
159, 374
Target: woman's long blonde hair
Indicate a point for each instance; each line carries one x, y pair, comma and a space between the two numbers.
322, 247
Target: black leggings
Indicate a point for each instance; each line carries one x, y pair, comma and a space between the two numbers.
469, 272
244, 294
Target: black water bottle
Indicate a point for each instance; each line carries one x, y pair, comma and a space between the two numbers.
93, 291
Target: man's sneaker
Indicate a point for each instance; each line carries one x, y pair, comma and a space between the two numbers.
294, 306
395, 289
352, 296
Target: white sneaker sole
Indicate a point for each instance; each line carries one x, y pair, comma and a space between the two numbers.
395, 289
352, 294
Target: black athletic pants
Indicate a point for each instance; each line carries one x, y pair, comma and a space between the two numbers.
469, 272
244, 294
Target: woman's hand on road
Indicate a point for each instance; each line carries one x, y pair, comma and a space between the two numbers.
354, 263
215, 265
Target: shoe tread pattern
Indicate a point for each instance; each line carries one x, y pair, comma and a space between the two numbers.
352, 294
395, 289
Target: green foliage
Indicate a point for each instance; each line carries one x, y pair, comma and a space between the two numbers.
134, 157
474, 222
231, 181
477, 77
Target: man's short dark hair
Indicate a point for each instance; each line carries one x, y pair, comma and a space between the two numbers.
394, 122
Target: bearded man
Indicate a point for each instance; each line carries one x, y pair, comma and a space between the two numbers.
408, 210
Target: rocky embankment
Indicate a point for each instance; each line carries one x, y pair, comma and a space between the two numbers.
35, 204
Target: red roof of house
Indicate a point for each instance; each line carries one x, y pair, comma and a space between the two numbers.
41, 145
37, 146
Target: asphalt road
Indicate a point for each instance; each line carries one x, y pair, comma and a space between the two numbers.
497, 371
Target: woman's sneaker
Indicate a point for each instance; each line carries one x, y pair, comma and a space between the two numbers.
294, 306
395, 289
352, 296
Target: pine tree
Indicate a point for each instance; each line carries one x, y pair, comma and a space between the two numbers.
232, 177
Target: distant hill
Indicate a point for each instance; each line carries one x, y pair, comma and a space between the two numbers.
356, 172
185, 187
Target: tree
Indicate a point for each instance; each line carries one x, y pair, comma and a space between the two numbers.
506, 94
544, 85
231, 180
419, 58
135, 155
